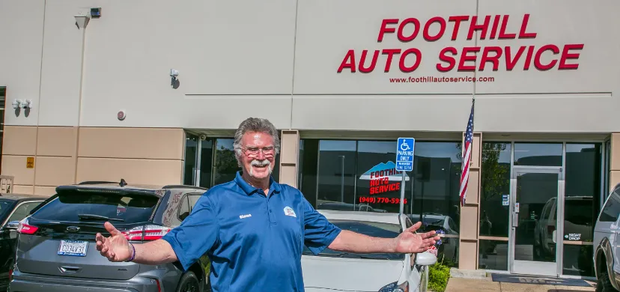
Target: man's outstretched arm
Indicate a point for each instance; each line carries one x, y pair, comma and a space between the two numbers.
116, 248
406, 242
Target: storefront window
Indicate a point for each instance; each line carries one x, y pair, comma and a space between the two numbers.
583, 182
360, 175
225, 164
606, 170
495, 192
206, 162
216, 166
378, 182
190, 159
538, 154
336, 173
494, 208
308, 166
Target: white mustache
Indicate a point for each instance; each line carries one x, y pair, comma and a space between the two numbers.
264, 162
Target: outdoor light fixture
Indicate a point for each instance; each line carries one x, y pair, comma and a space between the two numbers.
174, 82
17, 104
81, 21
27, 104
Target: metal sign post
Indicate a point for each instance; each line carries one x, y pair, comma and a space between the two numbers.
404, 162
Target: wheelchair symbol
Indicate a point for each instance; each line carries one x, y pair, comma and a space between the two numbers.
404, 146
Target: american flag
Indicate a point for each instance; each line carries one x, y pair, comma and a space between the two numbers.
469, 135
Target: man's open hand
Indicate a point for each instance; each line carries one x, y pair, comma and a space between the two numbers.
410, 242
115, 248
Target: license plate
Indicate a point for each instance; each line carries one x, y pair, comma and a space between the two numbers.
73, 248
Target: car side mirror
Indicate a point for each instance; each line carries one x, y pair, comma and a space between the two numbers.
13, 225
425, 259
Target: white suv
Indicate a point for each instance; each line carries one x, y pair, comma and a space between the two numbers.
607, 244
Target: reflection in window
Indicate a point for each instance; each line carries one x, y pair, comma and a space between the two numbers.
437, 174
578, 260
225, 165
378, 182
495, 189
206, 162
191, 143
216, 166
308, 166
538, 154
606, 170
336, 172
583, 182
493, 255
360, 175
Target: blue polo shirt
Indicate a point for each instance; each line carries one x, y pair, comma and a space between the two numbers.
254, 241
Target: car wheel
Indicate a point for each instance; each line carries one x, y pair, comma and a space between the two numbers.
603, 284
189, 283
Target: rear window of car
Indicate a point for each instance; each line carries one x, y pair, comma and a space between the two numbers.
375, 229
80, 206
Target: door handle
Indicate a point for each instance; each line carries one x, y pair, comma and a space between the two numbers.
69, 269
515, 219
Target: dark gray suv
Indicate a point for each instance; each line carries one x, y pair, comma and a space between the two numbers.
56, 249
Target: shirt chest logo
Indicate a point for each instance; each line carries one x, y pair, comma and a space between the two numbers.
288, 211
245, 216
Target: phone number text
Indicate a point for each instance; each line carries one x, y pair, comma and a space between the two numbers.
381, 200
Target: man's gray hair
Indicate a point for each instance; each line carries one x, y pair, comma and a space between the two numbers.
259, 125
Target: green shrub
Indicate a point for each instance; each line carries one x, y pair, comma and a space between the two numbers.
438, 276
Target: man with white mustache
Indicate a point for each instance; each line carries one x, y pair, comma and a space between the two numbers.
254, 229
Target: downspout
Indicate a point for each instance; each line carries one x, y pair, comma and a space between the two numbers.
81, 94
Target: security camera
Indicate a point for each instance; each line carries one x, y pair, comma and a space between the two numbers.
203, 137
174, 73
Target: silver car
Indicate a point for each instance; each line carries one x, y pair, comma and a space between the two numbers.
56, 248
607, 244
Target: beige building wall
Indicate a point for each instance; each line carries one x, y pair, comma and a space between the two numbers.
289, 157
470, 213
138, 155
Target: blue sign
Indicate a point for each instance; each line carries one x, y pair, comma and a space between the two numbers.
404, 154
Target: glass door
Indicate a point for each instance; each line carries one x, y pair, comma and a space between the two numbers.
536, 220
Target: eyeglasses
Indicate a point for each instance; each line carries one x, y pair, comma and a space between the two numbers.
253, 151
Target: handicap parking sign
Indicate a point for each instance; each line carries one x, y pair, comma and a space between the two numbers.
404, 154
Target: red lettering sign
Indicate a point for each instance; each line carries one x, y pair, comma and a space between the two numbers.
466, 59
380, 182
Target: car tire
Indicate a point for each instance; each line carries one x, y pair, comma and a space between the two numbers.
189, 283
603, 284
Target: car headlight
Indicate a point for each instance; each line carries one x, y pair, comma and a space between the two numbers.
394, 287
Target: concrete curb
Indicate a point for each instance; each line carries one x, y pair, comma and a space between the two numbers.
468, 274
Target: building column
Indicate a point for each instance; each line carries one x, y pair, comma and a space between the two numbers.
470, 213
289, 157
614, 165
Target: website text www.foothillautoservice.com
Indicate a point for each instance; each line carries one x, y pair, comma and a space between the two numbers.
432, 79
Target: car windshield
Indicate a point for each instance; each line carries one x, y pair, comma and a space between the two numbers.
98, 206
5, 208
375, 229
